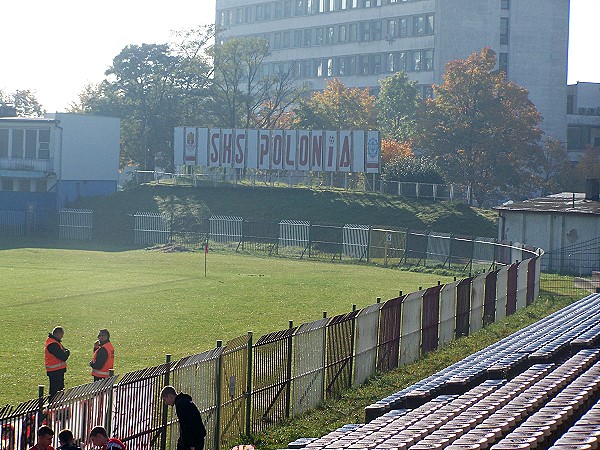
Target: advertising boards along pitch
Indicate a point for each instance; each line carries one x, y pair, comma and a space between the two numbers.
302, 150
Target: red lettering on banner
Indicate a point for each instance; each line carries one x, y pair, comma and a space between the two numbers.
317, 151
288, 161
264, 148
240, 141
345, 153
214, 148
227, 147
303, 149
330, 153
277, 150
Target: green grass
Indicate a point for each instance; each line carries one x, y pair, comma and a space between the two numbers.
350, 408
271, 204
155, 303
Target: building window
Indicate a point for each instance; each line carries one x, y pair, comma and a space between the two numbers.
428, 60
376, 26
363, 65
351, 65
307, 37
416, 61
286, 39
3, 143
40, 185
375, 64
24, 185
504, 30
276, 40
365, 31
329, 35
305, 68
287, 8
18, 137
352, 32
505, 4
30, 143
319, 36
503, 62
341, 66
392, 29
7, 184
329, 63
342, 33
570, 110
418, 25
429, 29
298, 38
403, 27
258, 13
248, 14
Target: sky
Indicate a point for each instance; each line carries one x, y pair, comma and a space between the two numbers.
56, 48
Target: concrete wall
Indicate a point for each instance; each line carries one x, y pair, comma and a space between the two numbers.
549, 231
90, 147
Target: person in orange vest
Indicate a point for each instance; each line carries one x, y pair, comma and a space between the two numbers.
55, 359
104, 356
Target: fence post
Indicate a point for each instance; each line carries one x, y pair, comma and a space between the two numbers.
108, 418
369, 244
288, 389
324, 359
165, 411
41, 417
218, 395
249, 385
352, 355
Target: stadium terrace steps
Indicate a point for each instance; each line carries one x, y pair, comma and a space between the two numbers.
548, 340
536, 389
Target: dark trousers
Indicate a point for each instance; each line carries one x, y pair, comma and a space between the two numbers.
57, 381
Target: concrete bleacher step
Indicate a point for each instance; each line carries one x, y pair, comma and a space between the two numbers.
550, 340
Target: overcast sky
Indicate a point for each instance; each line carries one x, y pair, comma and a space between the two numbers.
55, 48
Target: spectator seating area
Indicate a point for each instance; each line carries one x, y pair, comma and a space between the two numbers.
536, 389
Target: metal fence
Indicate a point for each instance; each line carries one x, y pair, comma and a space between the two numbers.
245, 387
319, 180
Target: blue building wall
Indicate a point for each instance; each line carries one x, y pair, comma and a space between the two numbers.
20, 201
71, 190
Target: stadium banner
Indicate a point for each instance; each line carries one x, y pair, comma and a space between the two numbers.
303, 150
239, 153
373, 152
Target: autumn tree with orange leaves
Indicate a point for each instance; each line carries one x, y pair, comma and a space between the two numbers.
337, 107
482, 130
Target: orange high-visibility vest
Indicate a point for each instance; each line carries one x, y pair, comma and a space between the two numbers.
52, 362
103, 372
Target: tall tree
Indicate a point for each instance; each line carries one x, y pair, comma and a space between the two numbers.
243, 93
483, 130
397, 104
556, 171
152, 88
338, 107
24, 102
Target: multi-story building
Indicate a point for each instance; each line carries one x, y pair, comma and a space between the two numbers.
364, 41
583, 118
47, 162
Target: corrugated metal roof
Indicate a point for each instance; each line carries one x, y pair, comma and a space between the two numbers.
562, 203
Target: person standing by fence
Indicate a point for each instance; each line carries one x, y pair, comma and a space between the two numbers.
55, 359
99, 438
44, 438
104, 356
65, 438
191, 428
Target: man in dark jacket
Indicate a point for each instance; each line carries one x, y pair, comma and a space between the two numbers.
55, 360
191, 428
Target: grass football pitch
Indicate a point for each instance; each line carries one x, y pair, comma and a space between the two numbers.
155, 303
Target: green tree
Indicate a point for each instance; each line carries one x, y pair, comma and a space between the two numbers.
397, 105
556, 170
483, 130
338, 107
242, 94
24, 102
152, 88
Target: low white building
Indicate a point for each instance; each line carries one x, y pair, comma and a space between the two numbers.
566, 226
47, 162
